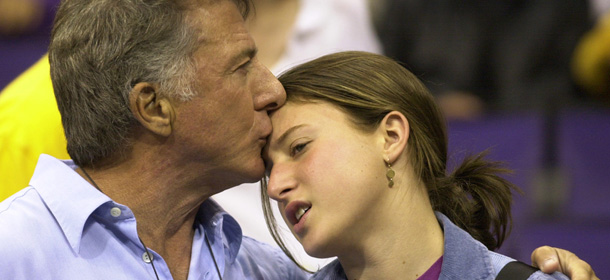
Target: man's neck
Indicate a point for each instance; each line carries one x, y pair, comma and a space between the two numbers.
165, 205
157, 197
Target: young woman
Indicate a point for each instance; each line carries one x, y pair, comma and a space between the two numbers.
357, 163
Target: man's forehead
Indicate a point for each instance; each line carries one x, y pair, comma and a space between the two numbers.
216, 21
244, 7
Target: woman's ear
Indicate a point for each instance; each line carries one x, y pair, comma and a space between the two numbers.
154, 112
395, 130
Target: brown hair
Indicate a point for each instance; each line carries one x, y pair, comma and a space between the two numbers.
368, 86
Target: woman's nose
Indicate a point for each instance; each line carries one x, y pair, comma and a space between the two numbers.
281, 183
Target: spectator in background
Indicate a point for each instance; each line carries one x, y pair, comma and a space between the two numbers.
591, 61
487, 56
598, 8
20, 16
29, 119
25, 27
291, 31
30, 125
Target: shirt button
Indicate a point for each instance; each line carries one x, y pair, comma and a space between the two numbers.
146, 258
115, 212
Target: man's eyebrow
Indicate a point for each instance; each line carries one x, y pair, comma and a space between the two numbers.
282, 137
247, 52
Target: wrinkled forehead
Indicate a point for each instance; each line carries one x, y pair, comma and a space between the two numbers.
244, 6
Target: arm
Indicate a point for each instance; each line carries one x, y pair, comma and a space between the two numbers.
551, 259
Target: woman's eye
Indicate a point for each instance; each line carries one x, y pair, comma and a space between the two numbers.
298, 148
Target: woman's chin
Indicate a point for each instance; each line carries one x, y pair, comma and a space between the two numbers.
318, 251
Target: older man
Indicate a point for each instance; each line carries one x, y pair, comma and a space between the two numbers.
163, 104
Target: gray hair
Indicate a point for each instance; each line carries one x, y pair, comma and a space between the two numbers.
99, 50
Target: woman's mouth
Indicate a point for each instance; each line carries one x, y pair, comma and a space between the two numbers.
295, 211
300, 212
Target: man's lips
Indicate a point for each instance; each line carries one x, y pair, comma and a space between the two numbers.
266, 129
295, 210
263, 142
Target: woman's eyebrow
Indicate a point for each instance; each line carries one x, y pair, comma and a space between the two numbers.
282, 137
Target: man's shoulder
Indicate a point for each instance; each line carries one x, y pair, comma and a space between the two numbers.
24, 219
22, 215
21, 205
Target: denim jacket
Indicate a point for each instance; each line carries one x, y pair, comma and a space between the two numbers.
464, 258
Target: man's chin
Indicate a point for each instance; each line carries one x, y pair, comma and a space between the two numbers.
256, 176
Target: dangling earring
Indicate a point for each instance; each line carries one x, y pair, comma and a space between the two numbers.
390, 174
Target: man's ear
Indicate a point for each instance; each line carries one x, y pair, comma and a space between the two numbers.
154, 112
395, 130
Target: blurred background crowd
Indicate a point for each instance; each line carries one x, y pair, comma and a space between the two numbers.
527, 79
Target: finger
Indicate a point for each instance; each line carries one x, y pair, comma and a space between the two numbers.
546, 259
550, 259
578, 269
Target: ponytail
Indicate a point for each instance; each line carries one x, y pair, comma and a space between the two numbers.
477, 199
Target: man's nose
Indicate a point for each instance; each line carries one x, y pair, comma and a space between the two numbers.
270, 92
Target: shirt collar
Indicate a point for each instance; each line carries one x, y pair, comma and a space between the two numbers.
216, 221
69, 197
72, 200
458, 243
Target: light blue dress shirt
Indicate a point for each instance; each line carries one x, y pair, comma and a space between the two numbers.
464, 258
61, 227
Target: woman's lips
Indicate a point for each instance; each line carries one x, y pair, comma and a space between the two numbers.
295, 211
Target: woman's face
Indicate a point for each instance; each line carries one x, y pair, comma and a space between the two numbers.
327, 176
